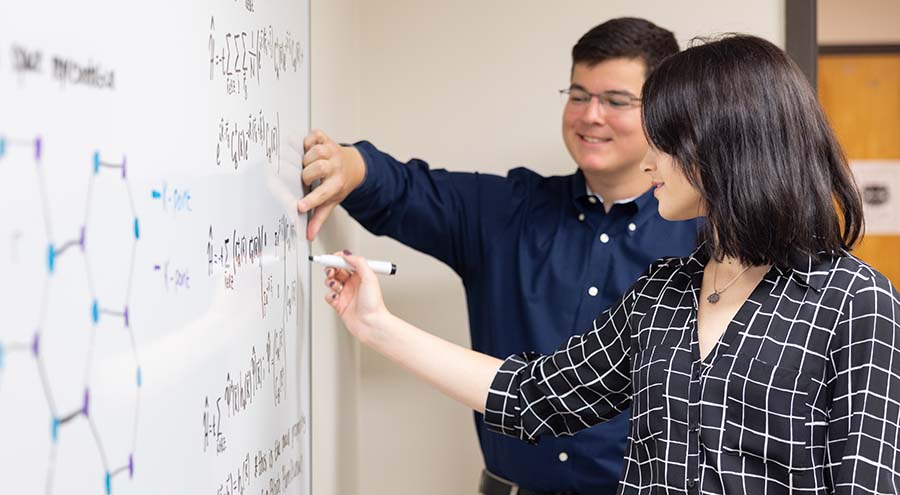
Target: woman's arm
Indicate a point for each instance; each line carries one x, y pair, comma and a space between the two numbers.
583, 383
863, 453
461, 373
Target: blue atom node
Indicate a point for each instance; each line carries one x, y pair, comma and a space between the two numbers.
54, 430
95, 311
51, 258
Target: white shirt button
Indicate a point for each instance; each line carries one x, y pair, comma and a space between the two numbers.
581, 217
563, 457
632, 227
592, 200
604, 238
593, 291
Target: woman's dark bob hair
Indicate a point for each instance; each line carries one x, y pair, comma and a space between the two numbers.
744, 125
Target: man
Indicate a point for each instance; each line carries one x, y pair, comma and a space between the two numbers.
540, 257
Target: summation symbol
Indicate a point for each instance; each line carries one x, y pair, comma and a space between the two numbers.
46, 348
239, 57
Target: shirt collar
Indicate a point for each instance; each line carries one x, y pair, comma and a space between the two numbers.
581, 191
588, 192
807, 271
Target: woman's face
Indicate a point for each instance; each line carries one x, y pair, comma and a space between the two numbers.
678, 199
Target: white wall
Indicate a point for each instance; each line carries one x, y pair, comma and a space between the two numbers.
335, 57
471, 85
843, 22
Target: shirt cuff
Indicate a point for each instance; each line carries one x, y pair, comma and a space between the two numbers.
362, 195
502, 412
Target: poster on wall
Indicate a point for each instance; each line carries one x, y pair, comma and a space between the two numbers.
879, 186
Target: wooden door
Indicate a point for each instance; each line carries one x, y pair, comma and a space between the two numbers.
860, 94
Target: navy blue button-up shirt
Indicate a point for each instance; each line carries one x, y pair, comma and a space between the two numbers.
539, 259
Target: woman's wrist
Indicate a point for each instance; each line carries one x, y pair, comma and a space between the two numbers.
378, 325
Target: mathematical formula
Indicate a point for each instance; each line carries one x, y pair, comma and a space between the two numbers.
240, 57
263, 464
235, 139
241, 389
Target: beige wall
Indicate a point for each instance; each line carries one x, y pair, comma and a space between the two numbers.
471, 85
335, 355
846, 22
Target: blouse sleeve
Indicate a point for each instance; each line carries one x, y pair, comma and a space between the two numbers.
585, 382
863, 447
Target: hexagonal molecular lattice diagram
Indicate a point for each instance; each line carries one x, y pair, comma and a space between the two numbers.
24, 232
70, 376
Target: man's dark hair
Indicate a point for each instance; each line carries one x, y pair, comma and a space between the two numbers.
745, 127
625, 37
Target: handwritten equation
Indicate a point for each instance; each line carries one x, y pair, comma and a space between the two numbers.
286, 290
240, 250
263, 464
235, 139
241, 389
234, 252
239, 57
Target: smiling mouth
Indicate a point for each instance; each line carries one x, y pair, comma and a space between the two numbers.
594, 140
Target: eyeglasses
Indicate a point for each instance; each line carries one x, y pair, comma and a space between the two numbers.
612, 100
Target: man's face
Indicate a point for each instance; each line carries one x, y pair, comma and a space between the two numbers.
601, 139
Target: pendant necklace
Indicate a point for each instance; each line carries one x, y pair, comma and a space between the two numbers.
714, 297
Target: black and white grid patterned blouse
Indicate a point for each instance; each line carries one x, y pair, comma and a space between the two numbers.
800, 395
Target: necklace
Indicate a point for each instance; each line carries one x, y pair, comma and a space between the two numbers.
714, 297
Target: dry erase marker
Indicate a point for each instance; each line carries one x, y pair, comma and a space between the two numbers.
382, 267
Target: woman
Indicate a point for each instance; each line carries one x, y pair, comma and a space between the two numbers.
766, 362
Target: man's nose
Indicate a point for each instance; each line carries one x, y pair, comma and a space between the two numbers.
594, 112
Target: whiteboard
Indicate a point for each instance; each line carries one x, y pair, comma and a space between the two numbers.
155, 289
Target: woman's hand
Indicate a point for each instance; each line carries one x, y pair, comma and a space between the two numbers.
356, 297
463, 374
